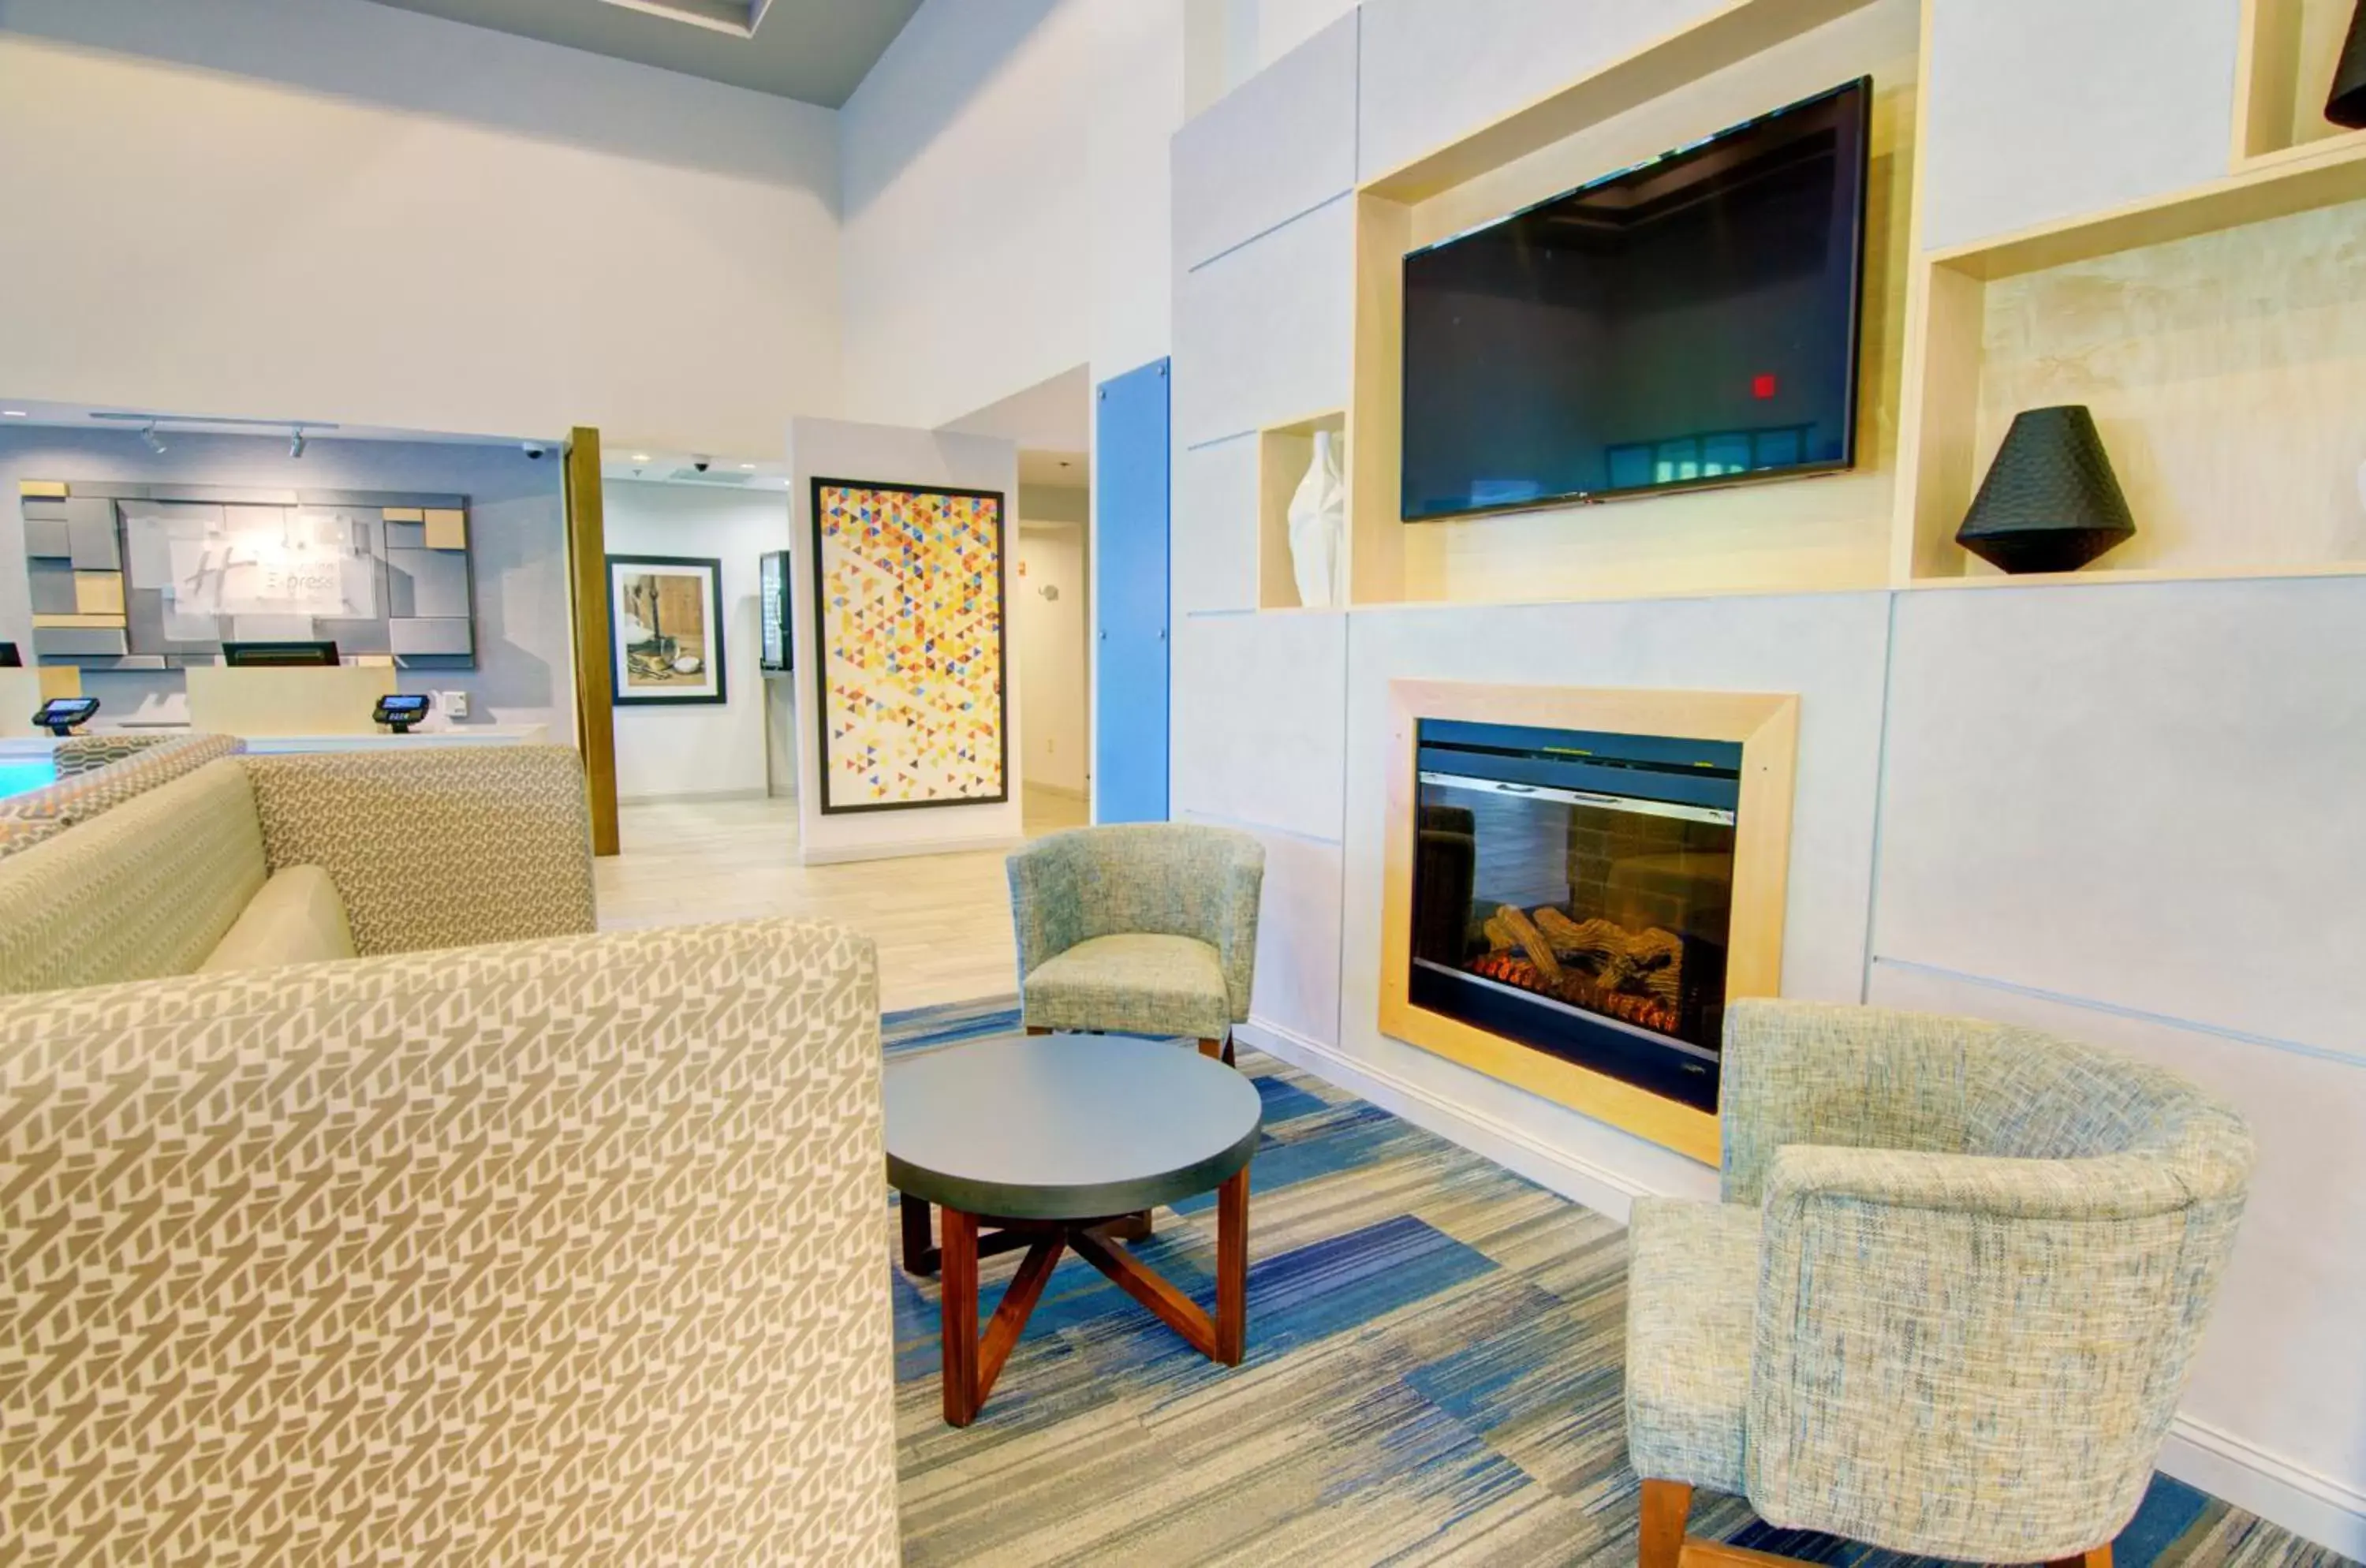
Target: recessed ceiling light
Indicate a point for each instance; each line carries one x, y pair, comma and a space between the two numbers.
640, 457
14, 413
750, 467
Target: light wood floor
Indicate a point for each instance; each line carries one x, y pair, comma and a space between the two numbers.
943, 922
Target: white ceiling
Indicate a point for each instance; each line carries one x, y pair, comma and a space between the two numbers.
816, 51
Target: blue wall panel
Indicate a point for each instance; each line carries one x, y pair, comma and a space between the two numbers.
1130, 460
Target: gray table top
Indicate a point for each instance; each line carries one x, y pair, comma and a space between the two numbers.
1066, 1126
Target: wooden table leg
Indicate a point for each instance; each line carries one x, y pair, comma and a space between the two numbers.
960, 1330
1233, 1268
919, 1246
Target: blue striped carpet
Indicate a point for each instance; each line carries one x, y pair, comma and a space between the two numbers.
1433, 1377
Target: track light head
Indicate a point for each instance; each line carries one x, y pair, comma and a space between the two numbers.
154, 442
295, 442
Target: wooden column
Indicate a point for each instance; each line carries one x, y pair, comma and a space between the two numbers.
587, 581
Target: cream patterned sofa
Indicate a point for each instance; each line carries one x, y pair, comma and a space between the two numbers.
502, 1242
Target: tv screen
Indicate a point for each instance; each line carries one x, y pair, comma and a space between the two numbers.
271, 654
1691, 321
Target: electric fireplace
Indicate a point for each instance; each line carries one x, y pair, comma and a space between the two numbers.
1578, 881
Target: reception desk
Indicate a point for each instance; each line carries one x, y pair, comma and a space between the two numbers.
258, 703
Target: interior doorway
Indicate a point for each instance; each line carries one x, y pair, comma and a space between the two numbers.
1052, 626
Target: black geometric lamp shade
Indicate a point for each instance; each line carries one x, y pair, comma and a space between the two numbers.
2050, 501
2347, 105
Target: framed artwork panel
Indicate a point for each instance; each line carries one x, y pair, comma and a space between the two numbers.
665, 630
912, 645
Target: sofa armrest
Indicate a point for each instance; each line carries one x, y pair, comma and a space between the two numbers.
554, 1249
1850, 1077
436, 846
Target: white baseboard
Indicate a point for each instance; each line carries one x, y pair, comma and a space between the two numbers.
1000, 843
1581, 1180
693, 798
2329, 1512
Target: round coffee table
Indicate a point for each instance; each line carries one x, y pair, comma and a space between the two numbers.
1066, 1141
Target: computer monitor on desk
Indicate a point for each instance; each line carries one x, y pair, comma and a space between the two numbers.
278, 655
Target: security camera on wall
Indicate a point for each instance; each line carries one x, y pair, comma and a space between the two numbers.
534, 450
701, 464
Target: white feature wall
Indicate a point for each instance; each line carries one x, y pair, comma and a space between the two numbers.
1006, 198
836, 449
669, 754
1050, 633
337, 210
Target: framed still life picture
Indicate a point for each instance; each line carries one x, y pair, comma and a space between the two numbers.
912, 646
665, 629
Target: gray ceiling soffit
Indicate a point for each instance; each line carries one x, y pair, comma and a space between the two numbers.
814, 50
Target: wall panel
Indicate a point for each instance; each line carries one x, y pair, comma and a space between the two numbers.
1262, 333
1259, 719
1216, 526
1280, 145
2042, 109
1437, 70
2144, 795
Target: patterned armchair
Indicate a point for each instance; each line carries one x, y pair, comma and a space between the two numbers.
1144, 928
1949, 1301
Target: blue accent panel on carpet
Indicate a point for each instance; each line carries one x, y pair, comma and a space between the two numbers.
2169, 1510
1347, 1280
1350, 1138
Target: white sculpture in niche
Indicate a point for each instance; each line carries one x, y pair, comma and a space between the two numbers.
1318, 527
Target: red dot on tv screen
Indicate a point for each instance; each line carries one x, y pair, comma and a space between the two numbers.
1762, 386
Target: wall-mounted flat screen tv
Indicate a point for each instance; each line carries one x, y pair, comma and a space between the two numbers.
1691, 321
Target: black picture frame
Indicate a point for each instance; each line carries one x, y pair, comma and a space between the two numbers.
712, 657
820, 652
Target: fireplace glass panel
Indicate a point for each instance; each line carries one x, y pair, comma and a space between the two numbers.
1573, 892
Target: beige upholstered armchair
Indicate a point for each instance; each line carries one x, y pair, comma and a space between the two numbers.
1149, 927
1949, 1301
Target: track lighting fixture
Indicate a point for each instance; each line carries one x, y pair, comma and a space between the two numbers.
295, 442
154, 442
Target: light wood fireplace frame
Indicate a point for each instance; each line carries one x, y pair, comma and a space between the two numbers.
1766, 725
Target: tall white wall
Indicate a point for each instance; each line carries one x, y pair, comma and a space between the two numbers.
339, 211
667, 753
1006, 201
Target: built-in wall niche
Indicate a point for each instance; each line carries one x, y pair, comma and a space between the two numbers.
159, 576
1285, 453
1828, 532
2218, 337
2289, 50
